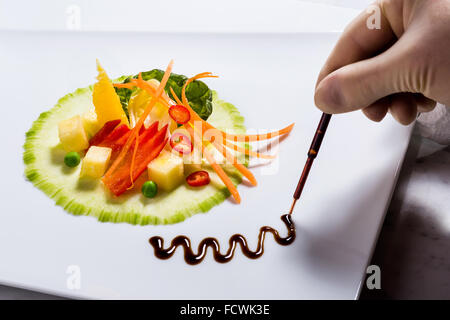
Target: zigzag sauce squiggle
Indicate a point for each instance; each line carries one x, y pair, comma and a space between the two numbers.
195, 258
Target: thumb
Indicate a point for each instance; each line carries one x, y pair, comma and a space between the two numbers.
358, 85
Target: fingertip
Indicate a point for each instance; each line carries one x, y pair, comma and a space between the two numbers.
403, 109
375, 113
378, 110
424, 104
322, 74
328, 96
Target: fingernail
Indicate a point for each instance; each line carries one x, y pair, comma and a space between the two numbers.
328, 96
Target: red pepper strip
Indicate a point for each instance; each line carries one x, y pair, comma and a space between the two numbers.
117, 145
115, 135
107, 128
135, 131
119, 180
149, 132
144, 139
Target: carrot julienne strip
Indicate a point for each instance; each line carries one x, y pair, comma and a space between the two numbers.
183, 91
174, 95
242, 169
142, 119
247, 151
260, 137
218, 169
207, 126
222, 175
232, 159
238, 137
221, 148
160, 95
137, 127
144, 85
128, 85
250, 137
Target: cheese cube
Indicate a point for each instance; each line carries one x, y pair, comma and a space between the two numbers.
166, 171
95, 162
72, 134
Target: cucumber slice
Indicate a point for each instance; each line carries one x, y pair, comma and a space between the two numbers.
44, 167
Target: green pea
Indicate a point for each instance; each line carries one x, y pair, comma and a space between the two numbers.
72, 159
149, 189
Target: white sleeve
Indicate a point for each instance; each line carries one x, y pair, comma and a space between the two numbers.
435, 125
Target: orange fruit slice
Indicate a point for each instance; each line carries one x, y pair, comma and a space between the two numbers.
106, 101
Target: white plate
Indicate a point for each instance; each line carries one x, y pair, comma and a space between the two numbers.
270, 78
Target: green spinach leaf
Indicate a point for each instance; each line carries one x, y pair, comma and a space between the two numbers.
197, 92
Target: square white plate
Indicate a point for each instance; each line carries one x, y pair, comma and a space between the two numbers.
270, 78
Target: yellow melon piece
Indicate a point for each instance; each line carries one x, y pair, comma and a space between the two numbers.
90, 123
166, 171
106, 101
72, 134
191, 167
95, 162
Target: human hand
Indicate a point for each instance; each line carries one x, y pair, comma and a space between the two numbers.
403, 68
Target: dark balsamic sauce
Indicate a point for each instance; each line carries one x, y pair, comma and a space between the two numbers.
195, 258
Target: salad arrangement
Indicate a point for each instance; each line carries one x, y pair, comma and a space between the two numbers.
151, 148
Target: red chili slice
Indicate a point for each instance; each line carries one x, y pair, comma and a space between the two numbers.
180, 114
198, 179
181, 143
